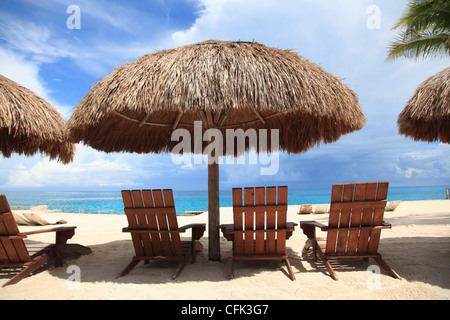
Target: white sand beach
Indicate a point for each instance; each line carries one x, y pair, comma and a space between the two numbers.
417, 248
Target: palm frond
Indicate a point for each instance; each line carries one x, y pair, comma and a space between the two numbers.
425, 14
419, 45
426, 25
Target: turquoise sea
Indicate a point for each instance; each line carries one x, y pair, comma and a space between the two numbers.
111, 202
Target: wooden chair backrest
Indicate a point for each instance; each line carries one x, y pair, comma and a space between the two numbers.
152, 211
355, 209
260, 221
12, 247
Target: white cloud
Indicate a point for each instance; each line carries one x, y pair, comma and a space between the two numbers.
45, 173
17, 68
36, 41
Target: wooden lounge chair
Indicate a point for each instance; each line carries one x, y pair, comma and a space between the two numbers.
354, 227
260, 229
152, 222
15, 254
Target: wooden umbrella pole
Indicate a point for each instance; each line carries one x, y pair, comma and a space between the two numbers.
213, 211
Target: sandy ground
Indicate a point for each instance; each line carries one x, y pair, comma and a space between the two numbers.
417, 248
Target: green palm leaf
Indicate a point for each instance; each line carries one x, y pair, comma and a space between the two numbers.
427, 31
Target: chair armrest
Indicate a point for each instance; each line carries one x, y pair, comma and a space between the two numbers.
290, 226
386, 225
58, 229
228, 230
192, 225
198, 229
316, 224
309, 228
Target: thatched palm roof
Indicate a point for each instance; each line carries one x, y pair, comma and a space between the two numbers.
426, 117
227, 85
29, 124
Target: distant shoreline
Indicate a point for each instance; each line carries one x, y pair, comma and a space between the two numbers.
110, 202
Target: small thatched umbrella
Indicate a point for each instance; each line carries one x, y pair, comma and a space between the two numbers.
225, 85
426, 117
29, 124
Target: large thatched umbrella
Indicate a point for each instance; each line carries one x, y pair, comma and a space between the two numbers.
29, 124
426, 117
225, 85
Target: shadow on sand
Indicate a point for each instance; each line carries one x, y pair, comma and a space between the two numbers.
421, 259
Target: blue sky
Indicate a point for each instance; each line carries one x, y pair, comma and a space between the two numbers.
346, 37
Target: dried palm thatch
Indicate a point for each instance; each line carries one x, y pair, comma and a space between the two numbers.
226, 85
426, 117
29, 124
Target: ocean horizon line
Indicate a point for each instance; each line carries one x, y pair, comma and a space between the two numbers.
95, 202
200, 190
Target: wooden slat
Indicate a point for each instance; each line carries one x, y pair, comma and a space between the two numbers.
142, 222
150, 244
238, 209
344, 220
260, 199
361, 204
131, 218
10, 251
13, 249
367, 217
353, 235
238, 242
137, 199
162, 223
381, 196
271, 200
378, 214
132, 221
282, 210
7, 223
281, 242
360, 228
170, 209
333, 221
172, 221
3, 256
150, 214
281, 220
249, 201
126, 197
274, 207
151, 231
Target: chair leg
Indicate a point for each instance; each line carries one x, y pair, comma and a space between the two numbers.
33, 266
232, 268
327, 265
315, 245
128, 268
288, 265
330, 269
193, 253
181, 266
383, 264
